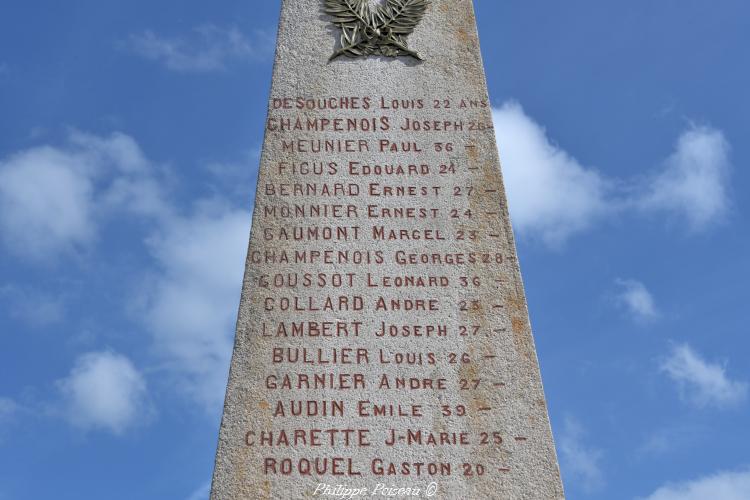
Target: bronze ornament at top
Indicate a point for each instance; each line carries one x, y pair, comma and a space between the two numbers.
382, 31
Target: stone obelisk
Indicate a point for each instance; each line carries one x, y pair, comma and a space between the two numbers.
383, 345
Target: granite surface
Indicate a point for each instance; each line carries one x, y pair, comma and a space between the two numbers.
383, 338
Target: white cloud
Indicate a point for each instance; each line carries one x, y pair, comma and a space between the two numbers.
45, 202
637, 299
193, 308
8, 411
236, 180
132, 183
580, 462
105, 391
695, 181
201, 493
53, 198
721, 486
700, 382
210, 48
550, 194
118, 150
8, 408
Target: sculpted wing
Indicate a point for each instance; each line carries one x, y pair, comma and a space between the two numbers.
382, 31
347, 13
402, 16
353, 16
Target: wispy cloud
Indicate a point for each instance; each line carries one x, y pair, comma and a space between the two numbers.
673, 439
553, 197
8, 408
550, 194
580, 461
33, 307
694, 183
202, 492
700, 382
208, 48
105, 391
236, 179
192, 308
52, 199
721, 486
638, 300
36, 184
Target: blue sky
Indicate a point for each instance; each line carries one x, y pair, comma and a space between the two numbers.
129, 143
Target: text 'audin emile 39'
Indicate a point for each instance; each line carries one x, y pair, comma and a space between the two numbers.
383, 345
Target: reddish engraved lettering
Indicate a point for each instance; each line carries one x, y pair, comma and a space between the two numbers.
382, 468
399, 304
320, 356
308, 168
300, 304
311, 233
368, 409
412, 125
377, 189
407, 281
427, 331
380, 212
401, 103
407, 358
316, 381
313, 257
305, 103
306, 280
311, 211
319, 467
386, 146
328, 124
312, 189
357, 168
437, 259
314, 329
325, 146
412, 437
309, 408
308, 437
412, 383
382, 233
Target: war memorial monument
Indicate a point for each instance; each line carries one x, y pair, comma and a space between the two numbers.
383, 346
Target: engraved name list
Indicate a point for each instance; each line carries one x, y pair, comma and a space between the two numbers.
383, 341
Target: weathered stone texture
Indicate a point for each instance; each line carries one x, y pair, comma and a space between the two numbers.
505, 421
